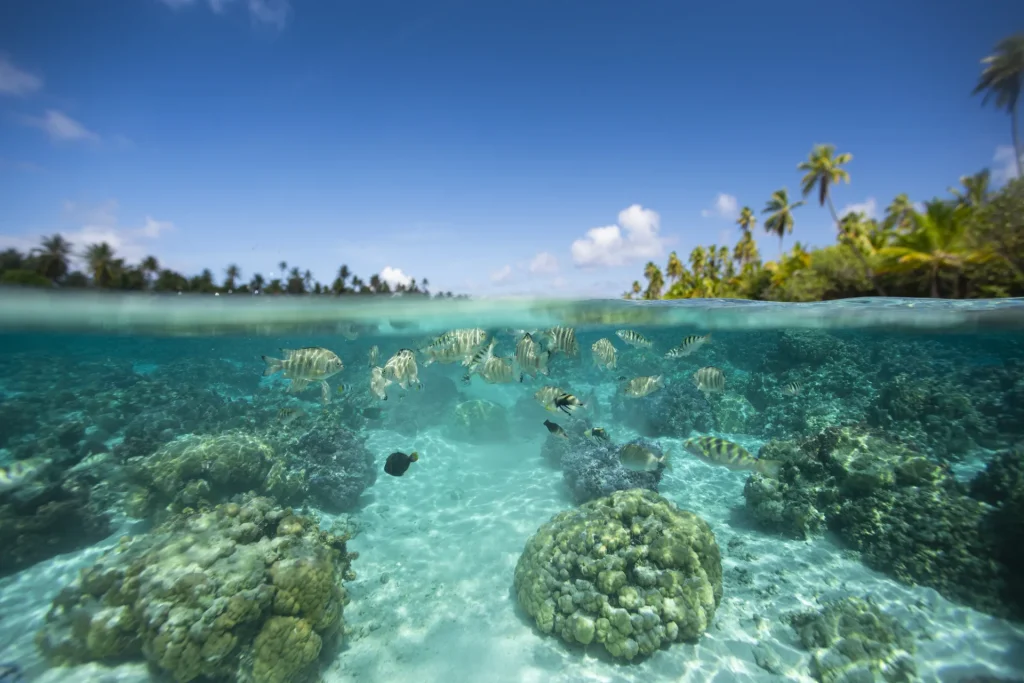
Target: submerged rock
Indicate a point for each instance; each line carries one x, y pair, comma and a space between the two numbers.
630, 571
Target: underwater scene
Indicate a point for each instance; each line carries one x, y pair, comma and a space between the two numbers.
529, 491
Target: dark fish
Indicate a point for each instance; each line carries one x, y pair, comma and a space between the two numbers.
597, 435
568, 403
11, 673
397, 463
555, 429
372, 413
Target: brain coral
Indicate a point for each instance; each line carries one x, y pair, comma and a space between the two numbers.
630, 571
245, 592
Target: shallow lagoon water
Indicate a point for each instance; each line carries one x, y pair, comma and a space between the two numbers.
433, 596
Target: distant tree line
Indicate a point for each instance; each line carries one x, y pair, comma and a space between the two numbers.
51, 265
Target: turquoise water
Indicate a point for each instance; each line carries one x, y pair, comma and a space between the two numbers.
169, 512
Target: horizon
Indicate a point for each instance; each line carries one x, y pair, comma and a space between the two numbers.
494, 151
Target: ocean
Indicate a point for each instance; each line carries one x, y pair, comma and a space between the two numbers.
195, 489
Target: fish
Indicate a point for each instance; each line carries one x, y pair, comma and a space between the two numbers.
530, 357
11, 673
597, 435
87, 463
792, 389
563, 339
288, 415
636, 458
372, 413
689, 345
454, 346
374, 356
20, 472
634, 339
715, 451
568, 403
401, 369
397, 463
379, 383
546, 397
638, 387
555, 429
306, 365
604, 354
710, 380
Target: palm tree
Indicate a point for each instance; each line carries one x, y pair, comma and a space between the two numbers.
283, 266
256, 283
102, 266
780, 221
233, 272
745, 252
150, 267
747, 220
823, 169
698, 261
937, 244
1002, 79
54, 256
655, 281
636, 289
897, 216
674, 269
974, 190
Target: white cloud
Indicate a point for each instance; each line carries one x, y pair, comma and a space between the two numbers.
98, 223
726, 206
637, 239
544, 262
60, 127
868, 207
271, 12
394, 277
502, 274
14, 81
1004, 167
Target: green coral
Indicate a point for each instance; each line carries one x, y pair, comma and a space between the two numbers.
246, 591
853, 640
630, 571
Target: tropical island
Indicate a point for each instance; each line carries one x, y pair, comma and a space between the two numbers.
969, 244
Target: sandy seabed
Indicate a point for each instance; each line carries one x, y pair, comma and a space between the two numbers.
433, 600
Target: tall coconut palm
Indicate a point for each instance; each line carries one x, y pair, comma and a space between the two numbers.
655, 281
257, 282
674, 269
1001, 79
150, 267
898, 213
698, 262
102, 265
338, 286
283, 266
938, 244
54, 257
745, 252
822, 169
780, 220
747, 219
636, 289
233, 272
973, 190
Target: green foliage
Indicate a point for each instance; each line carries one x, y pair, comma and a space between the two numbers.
24, 278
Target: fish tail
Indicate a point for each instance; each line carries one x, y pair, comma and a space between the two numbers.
769, 468
414, 456
273, 365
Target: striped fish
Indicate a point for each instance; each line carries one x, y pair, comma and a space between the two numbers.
689, 345
530, 357
792, 389
306, 365
710, 380
379, 383
604, 354
547, 396
563, 339
634, 339
638, 387
715, 451
401, 369
20, 472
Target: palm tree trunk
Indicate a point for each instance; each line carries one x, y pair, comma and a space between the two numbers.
935, 282
857, 252
1016, 140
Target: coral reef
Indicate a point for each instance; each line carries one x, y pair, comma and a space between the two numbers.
675, 410
1001, 484
630, 571
244, 592
903, 512
853, 640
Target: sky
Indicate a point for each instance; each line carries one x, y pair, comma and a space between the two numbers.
491, 147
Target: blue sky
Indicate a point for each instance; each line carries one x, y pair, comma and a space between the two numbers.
476, 144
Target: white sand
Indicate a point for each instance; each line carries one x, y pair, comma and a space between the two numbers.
433, 598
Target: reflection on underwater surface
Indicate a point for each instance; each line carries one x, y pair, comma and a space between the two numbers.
240, 527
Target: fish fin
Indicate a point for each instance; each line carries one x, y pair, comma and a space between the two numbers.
325, 392
273, 365
298, 385
769, 468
